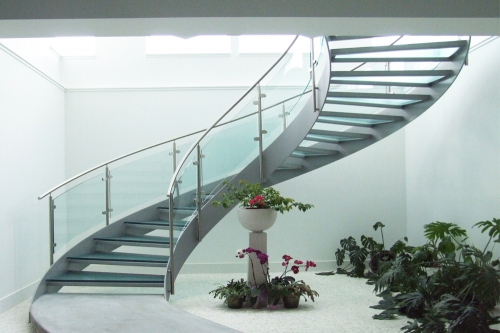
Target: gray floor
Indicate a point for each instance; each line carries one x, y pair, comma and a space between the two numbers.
343, 306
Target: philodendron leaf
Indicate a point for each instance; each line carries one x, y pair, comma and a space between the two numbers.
348, 243
378, 225
369, 243
340, 255
358, 256
386, 315
446, 245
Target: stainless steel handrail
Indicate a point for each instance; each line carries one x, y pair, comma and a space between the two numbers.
176, 173
162, 143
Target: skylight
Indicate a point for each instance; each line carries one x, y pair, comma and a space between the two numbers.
164, 45
73, 46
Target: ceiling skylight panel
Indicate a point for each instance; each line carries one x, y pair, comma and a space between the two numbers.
73, 46
165, 45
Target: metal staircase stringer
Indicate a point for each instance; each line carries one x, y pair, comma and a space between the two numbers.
409, 113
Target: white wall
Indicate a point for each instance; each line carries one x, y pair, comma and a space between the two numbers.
453, 151
32, 161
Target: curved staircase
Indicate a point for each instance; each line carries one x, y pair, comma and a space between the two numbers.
361, 90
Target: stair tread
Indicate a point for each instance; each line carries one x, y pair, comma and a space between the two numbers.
119, 256
179, 208
107, 277
137, 239
158, 223
400, 47
346, 94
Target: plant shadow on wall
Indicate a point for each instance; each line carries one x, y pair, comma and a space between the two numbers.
280, 288
444, 285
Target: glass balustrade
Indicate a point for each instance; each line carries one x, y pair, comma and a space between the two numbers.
79, 210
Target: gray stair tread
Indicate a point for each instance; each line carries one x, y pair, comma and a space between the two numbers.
107, 277
157, 223
119, 256
310, 151
378, 96
179, 208
356, 119
136, 239
399, 47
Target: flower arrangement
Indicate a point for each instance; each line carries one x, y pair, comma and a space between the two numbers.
279, 286
254, 196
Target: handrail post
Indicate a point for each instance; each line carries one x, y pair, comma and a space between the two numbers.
172, 242
313, 76
51, 228
258, 102
283, 115
107, 179
174, 155
199, 193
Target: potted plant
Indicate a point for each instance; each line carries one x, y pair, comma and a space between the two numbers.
258, 206
283, 286
234, 293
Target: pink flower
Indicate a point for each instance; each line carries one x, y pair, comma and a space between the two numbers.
286, 257
262, 257
284, 263
295, 269
298, 262
257, 201
310, 264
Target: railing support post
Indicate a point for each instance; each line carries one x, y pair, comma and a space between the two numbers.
107, 179
283, 115
258, 102
170, 272
199, 193
313, 76
51, 228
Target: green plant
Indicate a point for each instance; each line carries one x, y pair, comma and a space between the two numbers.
254, 196
458, 294
357, 257
238, 288
279, 286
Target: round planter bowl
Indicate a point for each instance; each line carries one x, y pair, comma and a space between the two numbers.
255, 219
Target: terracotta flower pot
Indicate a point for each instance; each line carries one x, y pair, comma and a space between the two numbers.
257, 219
234, 302
291, 302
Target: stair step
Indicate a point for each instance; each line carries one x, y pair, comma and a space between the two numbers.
186, 211
289, 167
404, 78
334, 136
356, 119
118, 258
428, 52
178, 225
106, 279
310, 152
149, 241
375, 99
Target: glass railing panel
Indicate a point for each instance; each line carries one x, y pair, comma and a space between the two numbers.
141, 181
230, 150
79, 210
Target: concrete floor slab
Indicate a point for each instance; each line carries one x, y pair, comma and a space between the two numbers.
63, 313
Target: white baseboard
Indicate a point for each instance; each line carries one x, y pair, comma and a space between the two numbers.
241, 267
18, 296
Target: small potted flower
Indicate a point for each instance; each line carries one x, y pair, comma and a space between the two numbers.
234, 293
280, 287
258, 206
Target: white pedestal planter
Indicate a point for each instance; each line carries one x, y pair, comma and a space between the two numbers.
257, 220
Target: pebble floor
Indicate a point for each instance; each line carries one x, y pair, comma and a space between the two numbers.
343, 306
